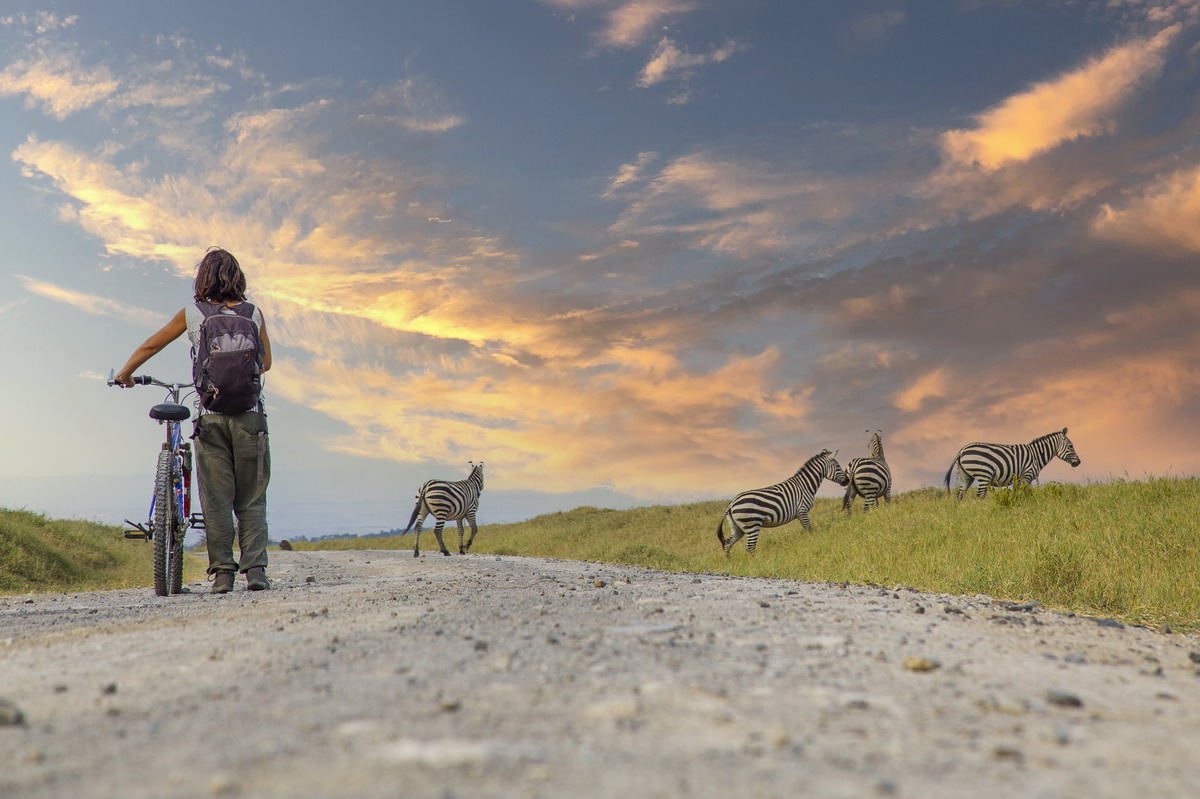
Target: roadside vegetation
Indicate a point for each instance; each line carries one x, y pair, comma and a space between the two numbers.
41, 555
1124, 549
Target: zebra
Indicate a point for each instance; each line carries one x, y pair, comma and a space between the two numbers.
998, 465
448, 502
778, 504
870, 477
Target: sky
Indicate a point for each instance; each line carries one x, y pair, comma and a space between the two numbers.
625, 252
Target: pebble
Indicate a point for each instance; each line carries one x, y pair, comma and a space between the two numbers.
1063, 699
10, 714
1007, 752
109, 688
915, 663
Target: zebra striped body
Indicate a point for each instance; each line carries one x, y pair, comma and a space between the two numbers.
1000, 465
779, 504
448, 502
870, 477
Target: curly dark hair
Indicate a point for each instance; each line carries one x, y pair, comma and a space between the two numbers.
219, 278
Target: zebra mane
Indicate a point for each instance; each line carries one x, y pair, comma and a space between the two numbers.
819, 457
1055, 436
875, 444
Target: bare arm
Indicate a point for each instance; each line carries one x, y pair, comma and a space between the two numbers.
266, 346
152, 346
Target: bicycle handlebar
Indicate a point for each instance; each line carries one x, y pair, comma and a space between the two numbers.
145, 380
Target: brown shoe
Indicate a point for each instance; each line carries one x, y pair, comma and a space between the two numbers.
222, 582
256, 579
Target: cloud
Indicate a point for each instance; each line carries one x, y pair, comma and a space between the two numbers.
1164, 214
412, 104
629, 23
91, 303
929, 385
1078, 104
58, 83
630, 174
669, 61
40, 21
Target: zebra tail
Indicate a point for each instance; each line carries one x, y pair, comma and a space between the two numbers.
413, 520
950, 471
720, 524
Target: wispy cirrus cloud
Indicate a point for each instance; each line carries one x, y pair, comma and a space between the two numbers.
670, 61
629, 23
91, 303
58, 83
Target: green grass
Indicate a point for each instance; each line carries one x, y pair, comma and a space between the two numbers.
1125, 549
41, 555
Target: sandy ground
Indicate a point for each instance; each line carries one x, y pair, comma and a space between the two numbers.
374, 674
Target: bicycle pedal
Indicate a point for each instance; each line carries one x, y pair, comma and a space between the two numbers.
196, 521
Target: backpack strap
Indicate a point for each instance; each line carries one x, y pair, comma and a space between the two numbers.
243, 308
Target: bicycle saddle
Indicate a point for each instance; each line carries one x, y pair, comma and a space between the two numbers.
169, 412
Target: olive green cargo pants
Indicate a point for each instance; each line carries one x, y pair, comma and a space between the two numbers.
233, 460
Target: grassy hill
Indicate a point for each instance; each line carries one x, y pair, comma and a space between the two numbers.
1126, 549
41, 555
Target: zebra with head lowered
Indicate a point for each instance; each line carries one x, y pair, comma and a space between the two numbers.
779, 504
1001, 465
448, 501
870, 477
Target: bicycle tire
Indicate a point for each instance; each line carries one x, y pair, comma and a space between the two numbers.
164, 523
176, 557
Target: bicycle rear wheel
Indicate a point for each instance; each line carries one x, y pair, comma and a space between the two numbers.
164, 526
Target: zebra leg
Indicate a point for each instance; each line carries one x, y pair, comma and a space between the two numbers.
471, 540
461, 551
417, 542
752, 540
981, 491
887, 495
437, 531
803, 517
735, 534
963, 484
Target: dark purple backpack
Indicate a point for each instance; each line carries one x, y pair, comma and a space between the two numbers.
227, 363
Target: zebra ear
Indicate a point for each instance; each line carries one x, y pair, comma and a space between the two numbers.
1064, 431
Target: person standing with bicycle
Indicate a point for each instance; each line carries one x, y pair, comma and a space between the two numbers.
230, 351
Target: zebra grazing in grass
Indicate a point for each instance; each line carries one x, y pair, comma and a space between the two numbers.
779, 504
448, 502
870, 477
1000, 465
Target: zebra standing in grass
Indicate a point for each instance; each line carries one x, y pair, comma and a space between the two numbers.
1000, 465
870, 477
779, 504
448, 502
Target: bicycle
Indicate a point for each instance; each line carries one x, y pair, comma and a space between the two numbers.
171, 503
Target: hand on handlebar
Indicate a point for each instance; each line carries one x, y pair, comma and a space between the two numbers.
127, 381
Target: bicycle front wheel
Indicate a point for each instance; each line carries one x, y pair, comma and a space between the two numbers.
164, 525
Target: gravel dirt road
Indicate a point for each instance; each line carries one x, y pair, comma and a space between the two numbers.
374, 674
